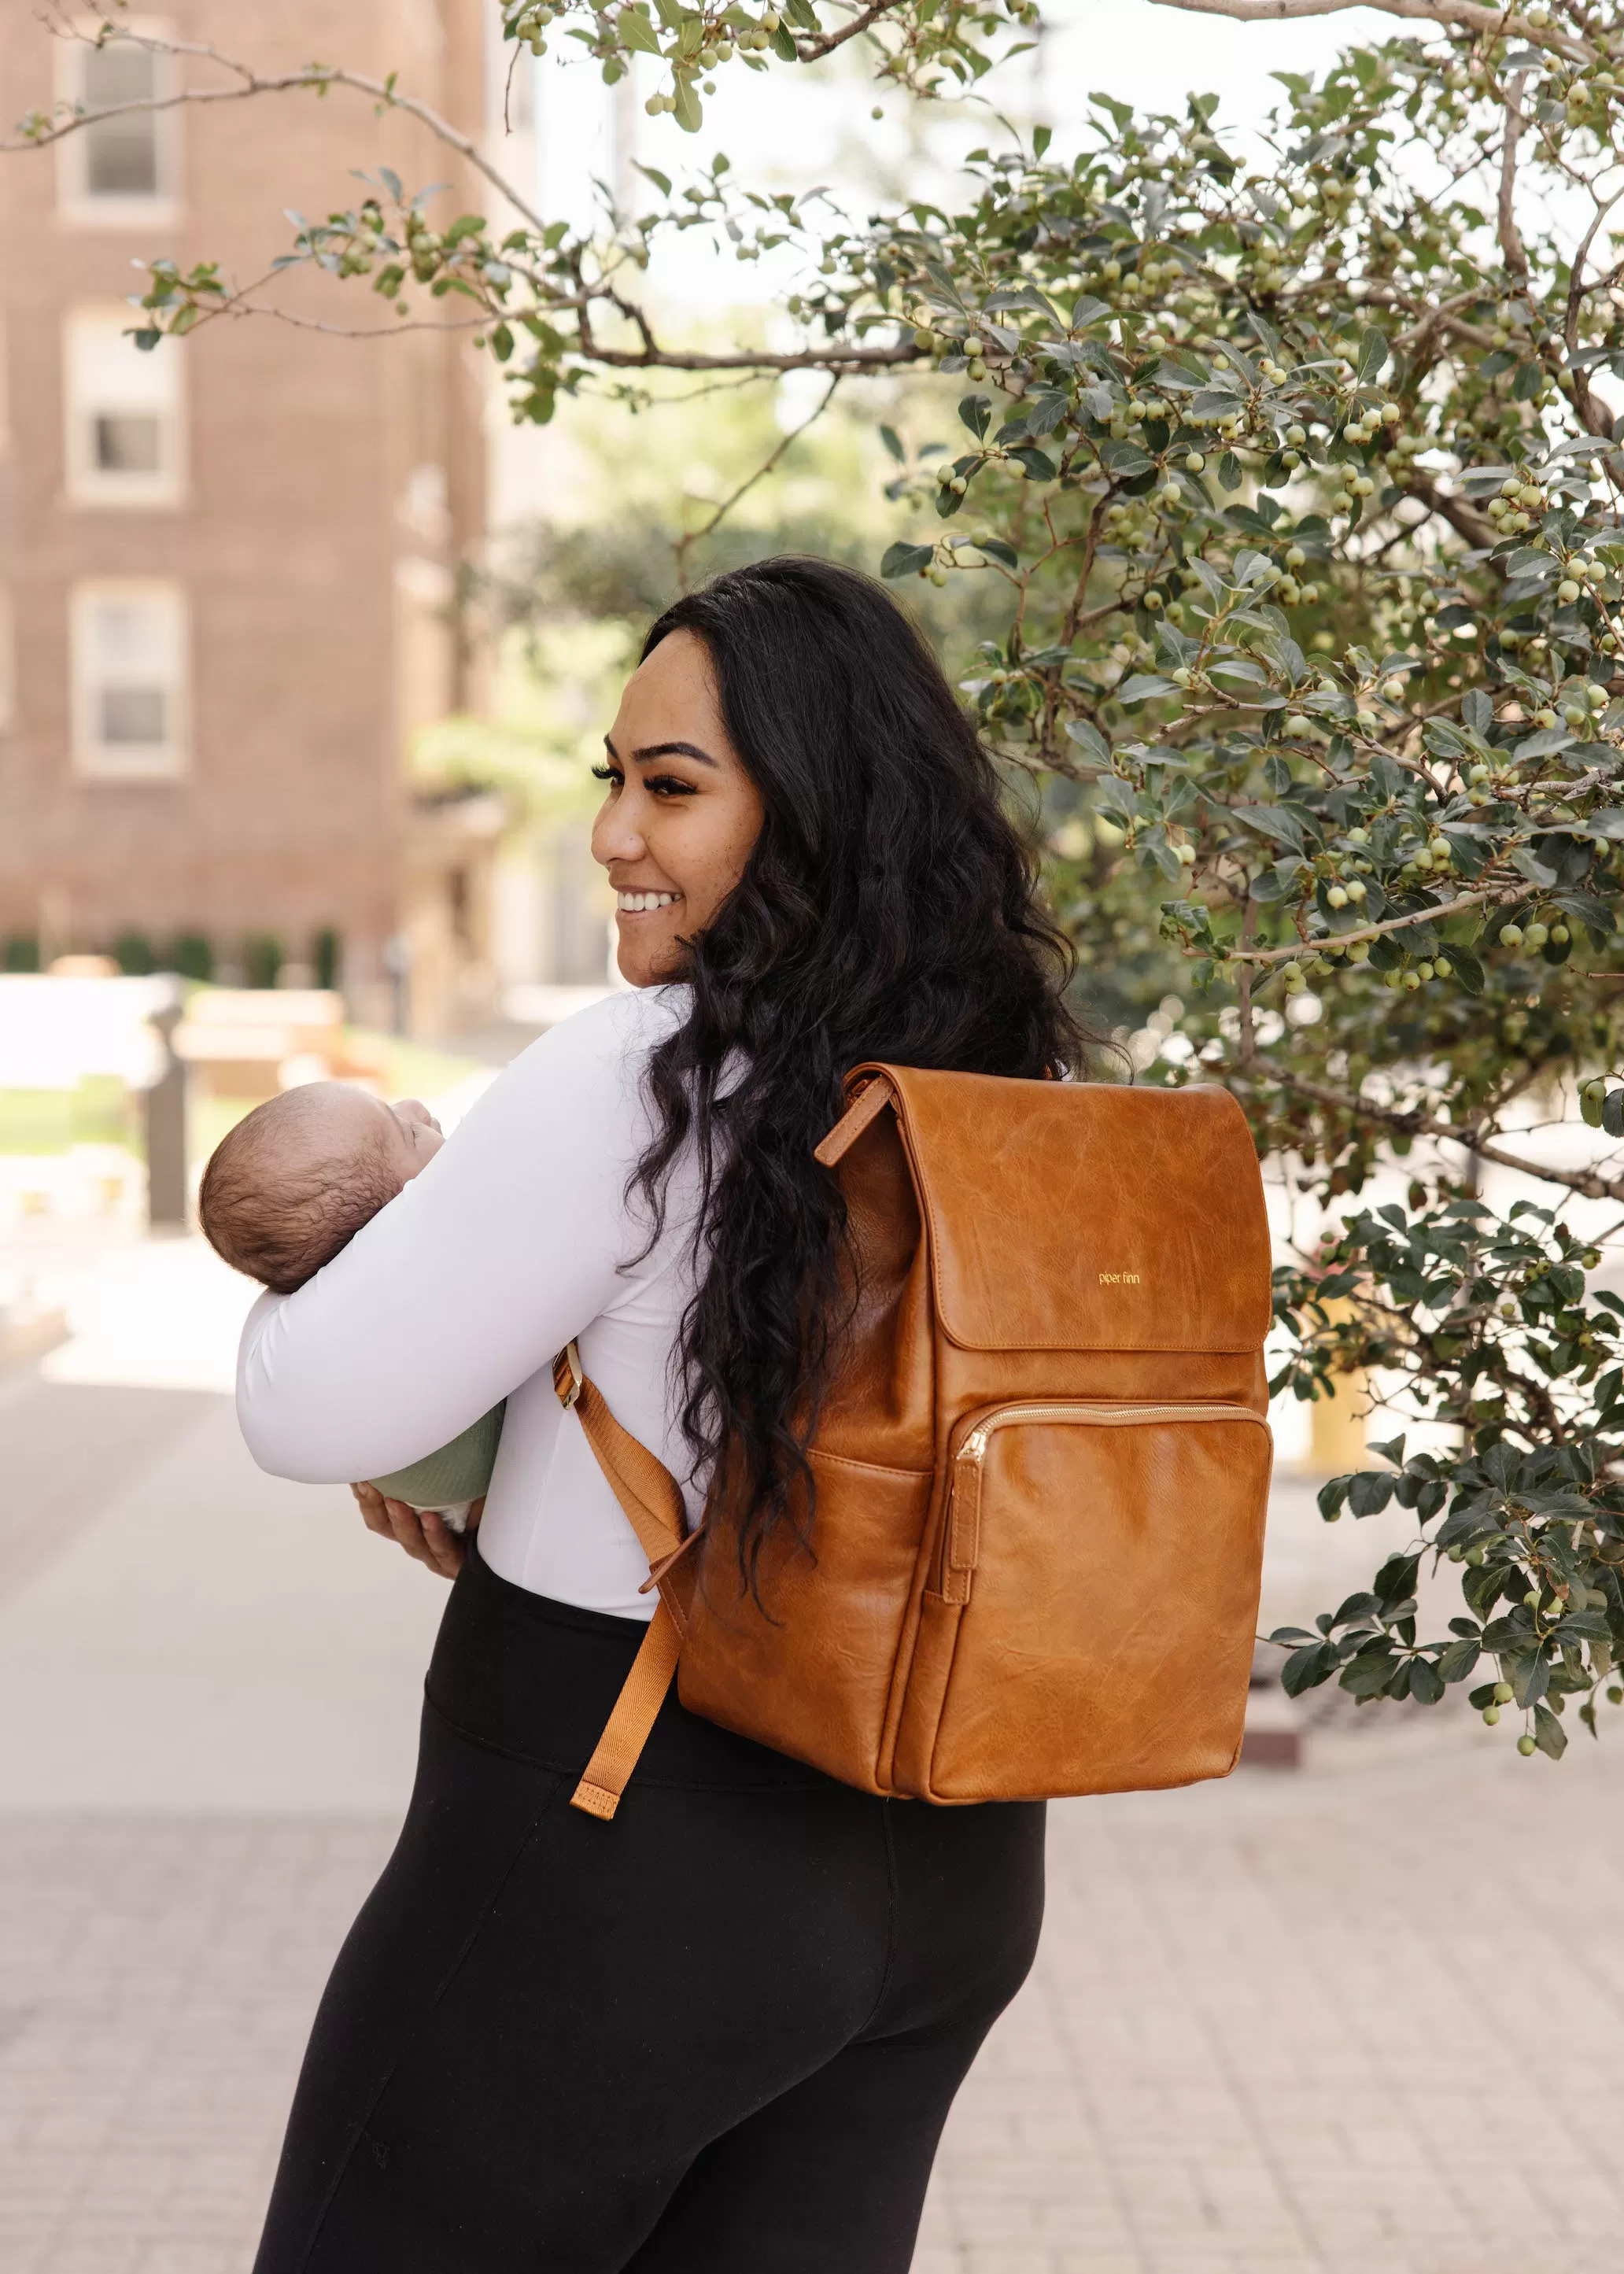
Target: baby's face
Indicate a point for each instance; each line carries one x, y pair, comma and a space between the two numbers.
350, 1120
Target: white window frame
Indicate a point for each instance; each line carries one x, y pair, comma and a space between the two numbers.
76, 203
95, 758
88, 483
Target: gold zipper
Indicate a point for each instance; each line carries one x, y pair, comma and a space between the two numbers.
976, 1444
973, 1449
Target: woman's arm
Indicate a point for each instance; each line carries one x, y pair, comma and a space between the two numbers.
504, 1247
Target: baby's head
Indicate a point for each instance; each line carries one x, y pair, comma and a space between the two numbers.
297, 1178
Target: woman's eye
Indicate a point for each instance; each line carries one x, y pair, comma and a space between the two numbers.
606, 774
668, 786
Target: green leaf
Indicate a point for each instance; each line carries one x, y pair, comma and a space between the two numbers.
1370, 1492
1273, 821
1230, 471
689, 114
1332, 1495
1612, 1113
1425, 1682
638, 33
1088, 739
1467, 968
1369, 1672
1306, 1669
905, 559
1372, 352
975, 412
1395, 1582
1457, 1662
1146, 684
1549, 1734
784, 46
893, 443
1593, 914
1115, 798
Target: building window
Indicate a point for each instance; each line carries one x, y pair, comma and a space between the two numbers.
129, 646
120, 167
121, 153
124, 412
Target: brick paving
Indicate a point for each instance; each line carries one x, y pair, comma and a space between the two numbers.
1350, 2019
1345, 2020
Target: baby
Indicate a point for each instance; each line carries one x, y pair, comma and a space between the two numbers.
292, 1184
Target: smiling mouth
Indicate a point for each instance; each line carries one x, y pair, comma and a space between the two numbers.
643, 904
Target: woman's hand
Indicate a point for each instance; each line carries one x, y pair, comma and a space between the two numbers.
420, 1532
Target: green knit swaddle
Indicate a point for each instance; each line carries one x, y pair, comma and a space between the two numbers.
457, 1472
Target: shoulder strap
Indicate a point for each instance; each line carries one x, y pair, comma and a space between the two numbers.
652, 1503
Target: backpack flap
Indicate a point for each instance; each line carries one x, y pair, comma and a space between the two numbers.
1084, 1216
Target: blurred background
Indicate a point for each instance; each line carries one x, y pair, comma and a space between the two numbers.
304, 654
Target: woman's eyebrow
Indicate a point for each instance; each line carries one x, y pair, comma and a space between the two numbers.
665, 751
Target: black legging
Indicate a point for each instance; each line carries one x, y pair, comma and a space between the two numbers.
718, 2035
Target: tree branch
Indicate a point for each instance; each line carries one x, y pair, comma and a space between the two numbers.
1597, 416
1462, 15
1436, 914
810, 49
683, 545
843, 362
1510, 242
1478, 531
250, 84
1415, 1123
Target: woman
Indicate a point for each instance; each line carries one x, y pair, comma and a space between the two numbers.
721, 2034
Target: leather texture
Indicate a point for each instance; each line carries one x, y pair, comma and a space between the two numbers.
1043, 1469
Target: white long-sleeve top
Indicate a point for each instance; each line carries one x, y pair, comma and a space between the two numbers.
517, 1237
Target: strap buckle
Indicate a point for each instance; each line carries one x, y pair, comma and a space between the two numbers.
568, 1363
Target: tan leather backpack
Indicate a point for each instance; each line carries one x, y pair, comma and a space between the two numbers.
1042, 1472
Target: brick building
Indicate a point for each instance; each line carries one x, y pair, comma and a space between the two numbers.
226, 566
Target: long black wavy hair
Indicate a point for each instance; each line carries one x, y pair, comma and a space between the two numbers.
888, 910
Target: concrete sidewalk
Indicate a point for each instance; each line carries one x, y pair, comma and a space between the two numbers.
1348, 2019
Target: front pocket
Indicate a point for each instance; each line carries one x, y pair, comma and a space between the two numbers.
1105, 1561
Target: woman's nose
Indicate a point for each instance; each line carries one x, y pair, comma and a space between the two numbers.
615, 834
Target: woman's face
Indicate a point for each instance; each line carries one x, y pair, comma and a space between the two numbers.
681, 816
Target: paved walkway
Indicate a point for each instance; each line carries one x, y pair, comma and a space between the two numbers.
1352, 2018
1347, 2026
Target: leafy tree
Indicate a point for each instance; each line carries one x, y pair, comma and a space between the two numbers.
1299, 493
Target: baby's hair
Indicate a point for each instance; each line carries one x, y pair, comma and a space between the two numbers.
278, 1211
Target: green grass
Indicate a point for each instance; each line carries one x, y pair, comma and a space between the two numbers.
101, 1111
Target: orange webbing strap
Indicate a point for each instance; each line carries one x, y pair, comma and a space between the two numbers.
627, 1730
652, 1503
